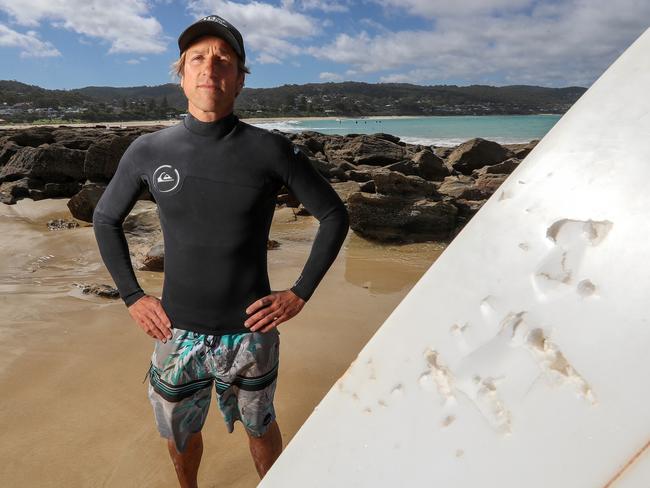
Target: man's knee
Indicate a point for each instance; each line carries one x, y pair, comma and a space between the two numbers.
264, 432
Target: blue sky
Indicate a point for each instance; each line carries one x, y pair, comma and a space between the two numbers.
77, 43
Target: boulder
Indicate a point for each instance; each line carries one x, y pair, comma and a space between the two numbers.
365, 149
396, 183
476, 153
103, 156
429, 166
346, 188
83, 203
391, 218
460, 187
48, 162
504, 167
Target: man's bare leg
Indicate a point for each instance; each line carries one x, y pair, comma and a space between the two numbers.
187, 462
266, 449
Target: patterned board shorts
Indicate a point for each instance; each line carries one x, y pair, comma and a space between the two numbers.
243, 366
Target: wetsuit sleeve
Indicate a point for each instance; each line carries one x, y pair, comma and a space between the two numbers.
322, 201
116, 202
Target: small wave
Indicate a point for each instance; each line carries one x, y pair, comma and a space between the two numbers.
455, 141
283, 125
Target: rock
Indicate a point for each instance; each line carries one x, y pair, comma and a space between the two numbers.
406, 167
460, 187
476, 153
442, 152
39, 191
368, 187
505, 167
103, 156
82, 204
365, 150
49, 162
467, 208
386, 137
60, 224
33, 136
12, 191
429, 166
395, 183
487, 184
392, 218
520, 151
105, 291
345, 189
359, 175
154, 259
7, 151
75, 138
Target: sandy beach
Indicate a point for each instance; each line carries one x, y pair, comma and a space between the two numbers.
75, 410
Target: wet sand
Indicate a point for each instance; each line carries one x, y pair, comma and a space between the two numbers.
75, 411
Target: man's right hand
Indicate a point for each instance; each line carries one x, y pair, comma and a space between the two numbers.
150, 316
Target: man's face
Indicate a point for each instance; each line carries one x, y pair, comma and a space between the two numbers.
211, 79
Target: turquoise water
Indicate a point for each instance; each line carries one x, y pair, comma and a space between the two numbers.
438, 130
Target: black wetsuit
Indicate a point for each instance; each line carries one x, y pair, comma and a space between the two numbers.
215, 184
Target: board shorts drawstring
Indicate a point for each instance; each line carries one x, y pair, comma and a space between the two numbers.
148, 371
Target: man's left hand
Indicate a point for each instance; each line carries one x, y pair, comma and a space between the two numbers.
271, 310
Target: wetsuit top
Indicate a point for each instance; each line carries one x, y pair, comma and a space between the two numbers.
215, 184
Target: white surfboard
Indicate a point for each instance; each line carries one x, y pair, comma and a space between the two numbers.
521, 358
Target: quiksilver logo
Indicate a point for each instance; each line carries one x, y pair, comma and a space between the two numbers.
216, 18
166, 178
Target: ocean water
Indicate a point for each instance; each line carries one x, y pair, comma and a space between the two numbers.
436, 130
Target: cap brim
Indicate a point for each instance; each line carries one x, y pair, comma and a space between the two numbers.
207, 28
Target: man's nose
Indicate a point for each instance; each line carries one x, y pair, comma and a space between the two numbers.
212, 65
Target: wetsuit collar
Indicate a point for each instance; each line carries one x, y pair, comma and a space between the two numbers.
217, 128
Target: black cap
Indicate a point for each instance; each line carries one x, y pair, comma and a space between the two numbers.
215, 26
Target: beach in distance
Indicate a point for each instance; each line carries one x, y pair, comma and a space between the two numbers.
439, 130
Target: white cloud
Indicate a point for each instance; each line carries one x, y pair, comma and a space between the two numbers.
29, 43
329, 76
125, 25
458, 8
559, 44
269, 30
323, 5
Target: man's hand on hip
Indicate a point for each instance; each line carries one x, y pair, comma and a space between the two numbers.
271, 310
150, 316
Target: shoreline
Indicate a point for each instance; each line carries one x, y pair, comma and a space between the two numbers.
167, 122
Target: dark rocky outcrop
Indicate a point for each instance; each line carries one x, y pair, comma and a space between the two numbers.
56, 162
393, 218
394, 191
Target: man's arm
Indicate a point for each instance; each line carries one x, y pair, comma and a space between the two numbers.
322, 201
112, 208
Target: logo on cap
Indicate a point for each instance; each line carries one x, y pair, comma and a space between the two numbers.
166, 178
216, 18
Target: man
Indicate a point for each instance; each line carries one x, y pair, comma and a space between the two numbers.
215, 180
